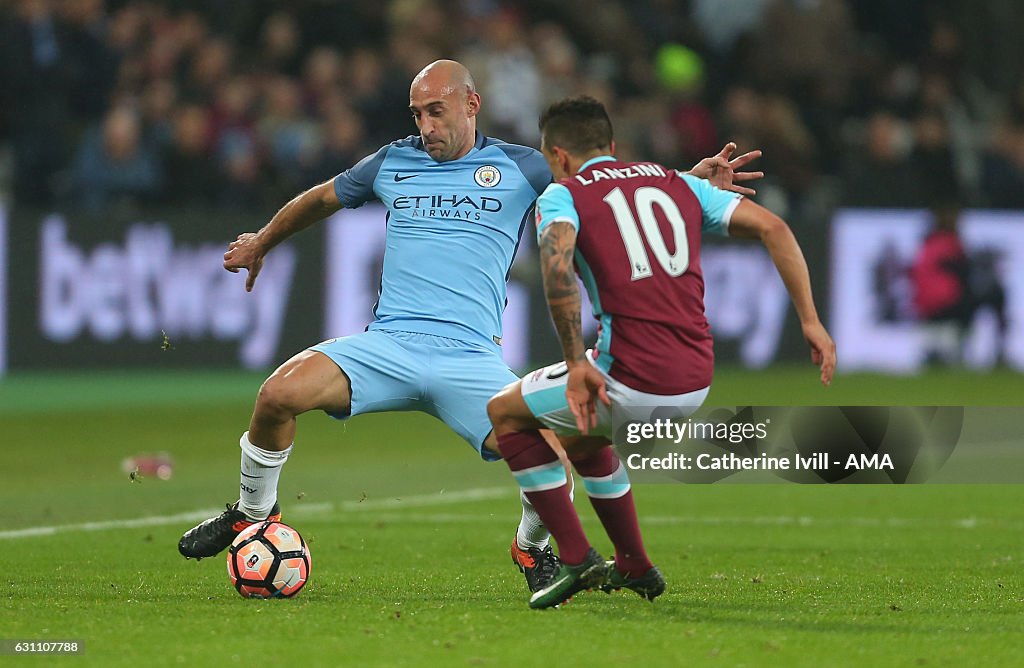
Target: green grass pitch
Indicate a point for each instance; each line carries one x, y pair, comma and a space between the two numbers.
409, 535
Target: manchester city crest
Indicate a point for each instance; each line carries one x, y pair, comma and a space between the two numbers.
487, 176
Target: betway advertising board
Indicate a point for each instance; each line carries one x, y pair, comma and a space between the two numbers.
150, 291
119, 292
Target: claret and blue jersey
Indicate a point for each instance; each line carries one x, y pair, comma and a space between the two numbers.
453, 231
638, 253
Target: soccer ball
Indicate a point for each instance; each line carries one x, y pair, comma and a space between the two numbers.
268, 560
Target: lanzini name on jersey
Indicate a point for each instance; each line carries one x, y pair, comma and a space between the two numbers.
633, 171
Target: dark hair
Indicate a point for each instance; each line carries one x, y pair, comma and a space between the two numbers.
578, 124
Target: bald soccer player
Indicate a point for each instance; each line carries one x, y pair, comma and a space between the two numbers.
458, 203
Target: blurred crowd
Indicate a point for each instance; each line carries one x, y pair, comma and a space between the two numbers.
242, 103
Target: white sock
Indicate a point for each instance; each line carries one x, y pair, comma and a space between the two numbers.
261, 469
531, 531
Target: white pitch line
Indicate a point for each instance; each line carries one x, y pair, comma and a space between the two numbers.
782, 520
418, 501
365, 510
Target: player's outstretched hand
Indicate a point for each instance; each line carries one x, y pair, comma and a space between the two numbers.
723, 172
245, 252
823, 349
583, 388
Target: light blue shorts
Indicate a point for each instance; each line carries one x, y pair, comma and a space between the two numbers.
403, 371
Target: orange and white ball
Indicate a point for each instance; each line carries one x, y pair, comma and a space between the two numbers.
269, 560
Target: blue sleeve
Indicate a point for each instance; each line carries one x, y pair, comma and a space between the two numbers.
531, 163
556, 204
716, 204
354, 186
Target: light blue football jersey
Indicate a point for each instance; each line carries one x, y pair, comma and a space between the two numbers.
453, 231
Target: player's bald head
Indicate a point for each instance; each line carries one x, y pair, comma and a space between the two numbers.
444, 103
444, 78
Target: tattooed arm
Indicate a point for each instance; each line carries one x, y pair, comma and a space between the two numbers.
557, 246
585, 383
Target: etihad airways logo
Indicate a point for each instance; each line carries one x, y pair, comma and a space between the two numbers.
447, 206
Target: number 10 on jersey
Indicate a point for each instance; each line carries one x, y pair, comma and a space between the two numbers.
644, 201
